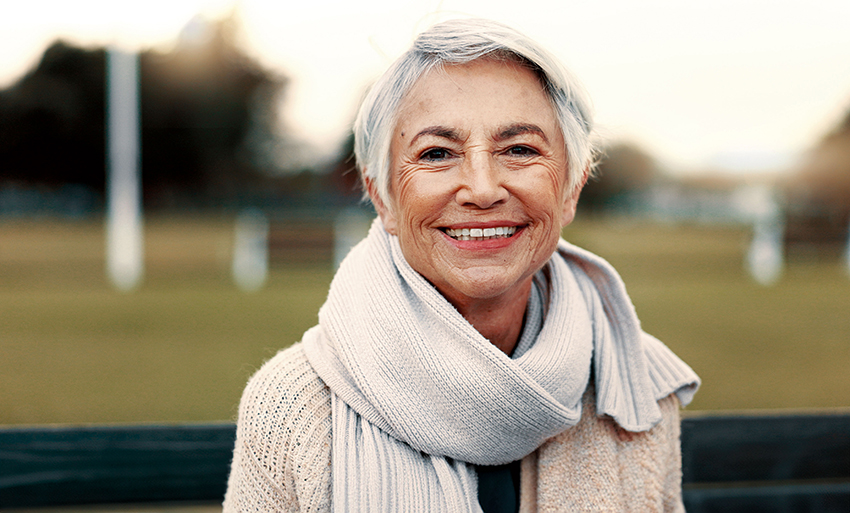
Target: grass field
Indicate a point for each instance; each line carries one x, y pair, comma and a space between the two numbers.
181, 347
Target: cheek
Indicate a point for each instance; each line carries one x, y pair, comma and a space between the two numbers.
403, 185
419, 197
545, 198
560, 201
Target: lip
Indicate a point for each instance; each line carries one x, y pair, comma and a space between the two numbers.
480, 224
487, 244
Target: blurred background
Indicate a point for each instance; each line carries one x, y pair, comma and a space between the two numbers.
723, 193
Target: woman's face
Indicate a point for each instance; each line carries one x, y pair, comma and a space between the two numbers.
478, 191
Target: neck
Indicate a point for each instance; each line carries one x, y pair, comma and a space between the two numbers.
499, 320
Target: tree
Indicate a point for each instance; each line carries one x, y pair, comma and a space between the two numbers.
824, 177
208, 115
818, 195
52, 120
623, 169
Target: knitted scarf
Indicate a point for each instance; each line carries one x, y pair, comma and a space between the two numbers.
418, 394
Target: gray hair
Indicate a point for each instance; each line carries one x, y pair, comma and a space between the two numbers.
457, 42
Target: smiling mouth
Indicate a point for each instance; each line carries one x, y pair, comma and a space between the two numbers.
500, 232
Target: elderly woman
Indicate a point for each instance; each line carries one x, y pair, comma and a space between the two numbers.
467, 358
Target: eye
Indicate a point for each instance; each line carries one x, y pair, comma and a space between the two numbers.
435, 154
521, 151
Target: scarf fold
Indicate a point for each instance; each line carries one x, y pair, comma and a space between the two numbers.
418, 393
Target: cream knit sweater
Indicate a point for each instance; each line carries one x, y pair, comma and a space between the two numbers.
282, 457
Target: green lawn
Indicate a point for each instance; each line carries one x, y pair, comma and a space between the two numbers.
181, 348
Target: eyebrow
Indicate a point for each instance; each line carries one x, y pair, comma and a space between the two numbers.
438, 131
519, 129
503, 134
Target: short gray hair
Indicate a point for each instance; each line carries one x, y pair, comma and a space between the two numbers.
457, 42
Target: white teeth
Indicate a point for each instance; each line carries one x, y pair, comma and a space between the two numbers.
481, 233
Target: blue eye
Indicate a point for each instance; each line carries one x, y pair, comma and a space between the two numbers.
436, 154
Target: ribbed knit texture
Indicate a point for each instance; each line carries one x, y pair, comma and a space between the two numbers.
282, 458
417, 390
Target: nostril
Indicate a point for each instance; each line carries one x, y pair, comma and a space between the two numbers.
482, 194
482, 197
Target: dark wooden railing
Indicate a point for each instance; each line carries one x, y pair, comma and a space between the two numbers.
760, 463
767, 463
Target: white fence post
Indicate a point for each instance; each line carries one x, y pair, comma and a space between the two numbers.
124, 236
251, 250
766, 255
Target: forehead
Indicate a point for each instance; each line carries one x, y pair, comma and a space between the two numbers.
483, 91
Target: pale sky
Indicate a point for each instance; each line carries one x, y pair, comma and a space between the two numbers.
744, 85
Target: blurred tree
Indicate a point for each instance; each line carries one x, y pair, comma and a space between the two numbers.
51, 121
336, 185
623, 170
208, 115
818, 194
209, 128
824, 177
345, 176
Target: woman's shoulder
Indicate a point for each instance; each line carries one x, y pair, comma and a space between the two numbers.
289, 368
283, 438
285, 412
285, 391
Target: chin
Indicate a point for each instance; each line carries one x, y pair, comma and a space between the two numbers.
487, 287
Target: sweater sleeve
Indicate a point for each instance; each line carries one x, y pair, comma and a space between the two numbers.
672, 426
281, 459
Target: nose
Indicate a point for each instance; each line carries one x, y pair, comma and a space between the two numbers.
480, 182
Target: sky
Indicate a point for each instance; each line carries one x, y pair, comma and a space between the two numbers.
732, 86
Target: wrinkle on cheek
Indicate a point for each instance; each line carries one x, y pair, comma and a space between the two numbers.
400, 182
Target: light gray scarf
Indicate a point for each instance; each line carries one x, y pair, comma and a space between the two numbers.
418, 394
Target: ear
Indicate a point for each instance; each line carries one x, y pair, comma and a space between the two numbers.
571, 200
386, 215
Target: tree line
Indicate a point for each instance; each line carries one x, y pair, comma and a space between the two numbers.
209, 127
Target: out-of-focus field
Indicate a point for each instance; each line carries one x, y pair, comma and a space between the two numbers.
181, 348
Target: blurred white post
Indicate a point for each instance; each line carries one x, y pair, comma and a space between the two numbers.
350, 227
765, 258
251, 250
124, 238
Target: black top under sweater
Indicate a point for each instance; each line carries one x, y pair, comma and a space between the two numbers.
498, 487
